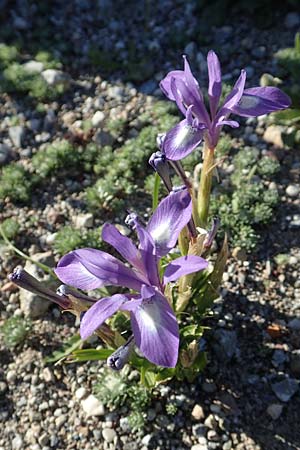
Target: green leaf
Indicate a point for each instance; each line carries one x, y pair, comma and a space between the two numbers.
72, 344
297, 42
164, 375
289, 116
91, 354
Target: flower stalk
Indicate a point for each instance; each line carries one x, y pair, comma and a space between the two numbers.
205, 184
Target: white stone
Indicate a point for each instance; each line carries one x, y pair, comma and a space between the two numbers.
11, 376
109, 434
98, 118
84, 220
293, 190
80, 393
92, 406
198, 413
54, 77
33, 66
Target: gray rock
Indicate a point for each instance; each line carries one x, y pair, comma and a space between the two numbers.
201, 446
80, 393
275, 410
285, 389
124, 424
84, 220
295, 362
32, 305
11, 376
33, 66
104, 138
293, 190
60, 420
16, 134
43, 439
53, 77
17, 442
225, 344
279, 357
3, 387
294, 324
199, 430
92, 406
5, 151
292, 20
109, 434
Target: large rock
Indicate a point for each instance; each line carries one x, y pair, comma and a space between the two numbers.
32, 305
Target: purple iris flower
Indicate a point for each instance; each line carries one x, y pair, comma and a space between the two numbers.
153, 321
181, 86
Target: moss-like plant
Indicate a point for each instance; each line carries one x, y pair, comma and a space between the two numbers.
69, 238
60, 155
15, 183
15, 330
247, 203
10, 228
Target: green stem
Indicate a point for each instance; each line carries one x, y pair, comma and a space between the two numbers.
155, 191
23, 255
205, 185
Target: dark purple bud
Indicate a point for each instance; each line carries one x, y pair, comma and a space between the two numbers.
160, 164
120, 357
26, 281
131, 219
212, 233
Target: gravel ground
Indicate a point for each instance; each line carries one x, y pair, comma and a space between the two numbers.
248, 397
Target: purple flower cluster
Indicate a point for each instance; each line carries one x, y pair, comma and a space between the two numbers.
153, 321
181, 87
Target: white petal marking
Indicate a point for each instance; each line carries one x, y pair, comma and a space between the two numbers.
248, 101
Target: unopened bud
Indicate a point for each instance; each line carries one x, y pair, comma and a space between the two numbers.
120, 357
26, 281
160, 164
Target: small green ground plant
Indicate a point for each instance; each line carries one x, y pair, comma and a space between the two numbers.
15, 330
247, 204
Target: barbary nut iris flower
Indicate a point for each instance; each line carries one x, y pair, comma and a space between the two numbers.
153, 321
181, 87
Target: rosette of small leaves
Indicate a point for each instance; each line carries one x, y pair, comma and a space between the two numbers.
15, 330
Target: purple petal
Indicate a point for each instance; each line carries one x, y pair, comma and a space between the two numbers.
181, 140
186, 93
89, 269
183, 266
155, 330
123, 245
261, 100
215, 81
99, 312
165, 84
230, 123
234, 96
169, 218
148, 252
